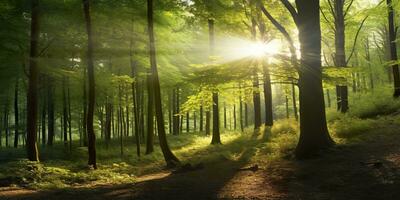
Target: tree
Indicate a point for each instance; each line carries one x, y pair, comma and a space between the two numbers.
169, 157
314, 135
32, 101
90, 72
393, 49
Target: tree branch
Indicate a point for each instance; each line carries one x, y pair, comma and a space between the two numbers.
355, 39
327, 20
292, 10
348, 8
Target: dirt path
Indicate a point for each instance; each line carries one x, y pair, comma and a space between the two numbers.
367, 170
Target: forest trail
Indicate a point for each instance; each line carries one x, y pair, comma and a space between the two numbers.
374, 161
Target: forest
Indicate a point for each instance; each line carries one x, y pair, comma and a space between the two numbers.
199, 99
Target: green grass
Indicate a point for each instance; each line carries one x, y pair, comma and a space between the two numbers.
60, 168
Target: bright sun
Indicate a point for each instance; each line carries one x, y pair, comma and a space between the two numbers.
231, 48
260, 49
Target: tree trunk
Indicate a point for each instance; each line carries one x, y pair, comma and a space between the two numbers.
256, 101
169, 157
175, 117
65, 114
69, 117
150, 115
16, 115
201, 119
216, 139
296, 116
50, 112
225, 116
269, 118
314, 134
187, 122
393, 49
208, 121
90, 70
340, 55
31, 144
287, 106
234, 116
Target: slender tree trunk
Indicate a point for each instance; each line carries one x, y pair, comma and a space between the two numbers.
69, 117
194, 122
44, 116
328, 96
241, 112
314, 134
33, 153
216, 139
50, 112
16, 116
136, 109
201, 118
90, 69
175, 128
246, 115
287, 106
256, 101
187, 122
234, 116
169, 157
296, 116
225, 116
65, 114
150, 115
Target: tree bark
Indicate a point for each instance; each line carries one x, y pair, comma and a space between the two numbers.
269, 118
393, 49
256, 101
91, 103
314, 134
216, 139
150, 115
169, 157
16, 115
31, 144
50, 112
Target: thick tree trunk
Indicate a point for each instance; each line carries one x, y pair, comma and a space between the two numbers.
169, 157
314, 134
393, 49
269, 118
90, 70
32, 100
216, 139
208, 122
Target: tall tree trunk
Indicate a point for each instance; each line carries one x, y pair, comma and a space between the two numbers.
85, 109
201, 118
328, 96
340, 55
314, 134
65, 114
246, 115
44, 115
136, 109
187, 122
90, 69
16, 115
208, 122
269, 118
150, 115
241, 112
256, 101
216, 139
225, 124
50, 112
215, 106
175, 128
69, 117
296, 116
287, 106
169, 157
194, 122
234, 116
393, 49
33, 153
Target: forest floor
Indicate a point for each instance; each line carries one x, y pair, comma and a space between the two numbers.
364, 167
